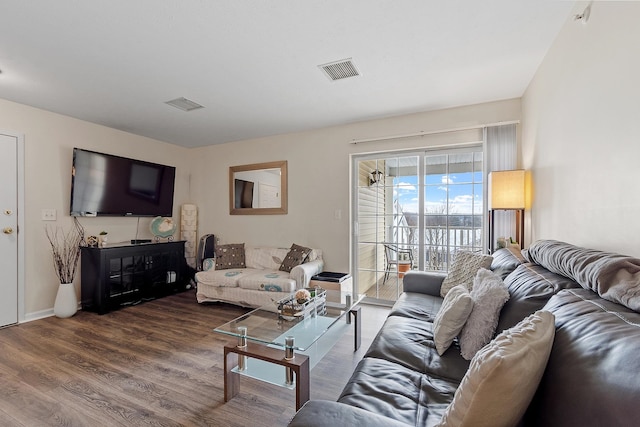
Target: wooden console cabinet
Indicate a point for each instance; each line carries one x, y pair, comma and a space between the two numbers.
121, 275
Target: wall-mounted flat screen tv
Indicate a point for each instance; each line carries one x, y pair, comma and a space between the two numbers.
108, 185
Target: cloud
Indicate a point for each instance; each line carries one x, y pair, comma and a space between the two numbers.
406, 186
446, 179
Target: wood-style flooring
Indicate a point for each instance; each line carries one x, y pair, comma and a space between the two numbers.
154, 364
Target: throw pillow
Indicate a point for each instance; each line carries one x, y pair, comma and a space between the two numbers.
296, 256
489, 294
503, 376
464, 267
450, 318
230, 256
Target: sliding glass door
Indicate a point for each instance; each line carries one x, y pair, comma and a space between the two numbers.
413, 211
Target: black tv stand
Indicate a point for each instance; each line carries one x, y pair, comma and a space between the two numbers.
122, 275
140, 241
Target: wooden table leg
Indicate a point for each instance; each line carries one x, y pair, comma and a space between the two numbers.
231, 379
299, 364
303, 384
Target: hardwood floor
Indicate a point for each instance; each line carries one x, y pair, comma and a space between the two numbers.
155, 364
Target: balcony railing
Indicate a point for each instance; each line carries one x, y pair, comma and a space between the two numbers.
440, 243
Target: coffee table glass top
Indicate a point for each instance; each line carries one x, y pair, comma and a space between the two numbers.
264, 325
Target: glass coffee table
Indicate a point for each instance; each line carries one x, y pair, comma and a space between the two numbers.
281, 350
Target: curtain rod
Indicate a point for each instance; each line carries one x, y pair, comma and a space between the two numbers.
433, 132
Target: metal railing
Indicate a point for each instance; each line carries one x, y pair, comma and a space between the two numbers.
440, 243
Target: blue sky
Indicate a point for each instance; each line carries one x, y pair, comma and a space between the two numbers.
458, 189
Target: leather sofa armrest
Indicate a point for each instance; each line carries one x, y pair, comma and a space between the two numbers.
424, 282
323, 413
303, 273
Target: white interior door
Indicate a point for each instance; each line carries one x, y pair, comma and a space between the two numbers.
9, 230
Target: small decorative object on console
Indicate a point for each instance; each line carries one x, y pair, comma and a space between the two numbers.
103, 238
303, 296
295, 308
163, 227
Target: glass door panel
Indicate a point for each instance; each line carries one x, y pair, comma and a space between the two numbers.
414, 211
453, 207
387, 217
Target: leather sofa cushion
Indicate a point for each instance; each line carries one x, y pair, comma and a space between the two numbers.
613, 276
415, 305
530, 288
592, 373
391, 390
409, 343
505, 261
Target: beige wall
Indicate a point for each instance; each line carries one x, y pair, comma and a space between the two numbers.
581, 121
49, 139
319, 181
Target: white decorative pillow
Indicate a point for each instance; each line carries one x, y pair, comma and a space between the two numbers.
503, 376
489, 294
464, 267
451, 317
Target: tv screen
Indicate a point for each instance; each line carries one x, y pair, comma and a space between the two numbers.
107, 185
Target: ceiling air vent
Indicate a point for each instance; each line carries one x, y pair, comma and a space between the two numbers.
184, 104
340, 69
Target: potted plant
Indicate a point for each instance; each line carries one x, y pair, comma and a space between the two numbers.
103, 238
65, 248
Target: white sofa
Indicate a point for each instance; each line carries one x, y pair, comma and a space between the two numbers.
261, 283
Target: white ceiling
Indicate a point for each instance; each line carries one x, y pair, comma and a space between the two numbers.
254, 64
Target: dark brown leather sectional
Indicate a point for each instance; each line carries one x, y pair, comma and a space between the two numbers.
592, 377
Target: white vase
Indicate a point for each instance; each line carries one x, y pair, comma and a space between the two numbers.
66, 304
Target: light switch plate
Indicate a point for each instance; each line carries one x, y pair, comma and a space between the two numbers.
49, 215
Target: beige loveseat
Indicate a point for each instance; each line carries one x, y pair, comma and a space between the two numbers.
260, 282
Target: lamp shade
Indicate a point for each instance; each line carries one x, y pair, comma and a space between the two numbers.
506, 190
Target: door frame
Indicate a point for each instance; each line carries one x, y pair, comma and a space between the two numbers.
421, 152
20, 167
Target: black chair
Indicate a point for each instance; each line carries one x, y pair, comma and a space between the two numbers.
395, 258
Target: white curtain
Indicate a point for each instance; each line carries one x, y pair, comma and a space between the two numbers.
502, 154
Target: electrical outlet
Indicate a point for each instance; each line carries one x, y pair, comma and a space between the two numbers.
49, 214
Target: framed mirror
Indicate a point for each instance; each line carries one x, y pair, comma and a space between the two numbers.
258, 189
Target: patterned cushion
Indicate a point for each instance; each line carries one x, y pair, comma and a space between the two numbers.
463, 269
230, 256
268, 280
228, 278
296, 256
266, 258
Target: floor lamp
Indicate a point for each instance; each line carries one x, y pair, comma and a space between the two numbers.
506, 192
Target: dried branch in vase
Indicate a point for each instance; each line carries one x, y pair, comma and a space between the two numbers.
65, 248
